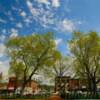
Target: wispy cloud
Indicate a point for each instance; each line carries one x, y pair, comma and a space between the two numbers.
55, 3
23, 13
19, 25
47, 19
66, 25
58, 41
43, 1
34, 11
3, 21
2, 38
14, 33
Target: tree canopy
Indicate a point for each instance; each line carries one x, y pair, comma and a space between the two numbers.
86, 51
31, 53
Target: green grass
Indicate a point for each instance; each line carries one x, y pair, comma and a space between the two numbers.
81, 96
74, 96
25, 97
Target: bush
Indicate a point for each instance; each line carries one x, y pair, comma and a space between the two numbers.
25, 96
80, 96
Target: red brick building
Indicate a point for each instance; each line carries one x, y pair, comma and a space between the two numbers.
13, 84
73, 84
69, 84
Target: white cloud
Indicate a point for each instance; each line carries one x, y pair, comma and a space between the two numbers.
29, 3
58, 41
14, 33
79, 22
42, 16
23, 13
55, 3
43, 2
19, 25
13, 30
2, 49
27, 20
2, 38
3, 21
4, 31
46, 17
14, 8
66, 25
11, 18
33, 10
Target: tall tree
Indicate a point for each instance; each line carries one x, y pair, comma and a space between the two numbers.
86, 51
59, 72
62, 67
31, 53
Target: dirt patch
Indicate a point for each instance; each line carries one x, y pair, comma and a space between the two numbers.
54, 97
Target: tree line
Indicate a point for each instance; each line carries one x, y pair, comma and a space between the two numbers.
34, 53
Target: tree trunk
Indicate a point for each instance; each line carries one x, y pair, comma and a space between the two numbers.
23, 87
89, 84
94, 86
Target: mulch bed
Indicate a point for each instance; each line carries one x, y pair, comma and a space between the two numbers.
54, 97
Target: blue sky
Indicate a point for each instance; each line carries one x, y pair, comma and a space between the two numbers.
24, 17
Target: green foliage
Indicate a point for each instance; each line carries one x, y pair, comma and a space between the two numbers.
18, 97
86, 52
85, 47
80, 96
29, 54
59, 68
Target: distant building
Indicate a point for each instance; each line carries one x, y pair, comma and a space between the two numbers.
65, 83
34, 85
61, 83
3, 86
77, 84
73, 84
13, 84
